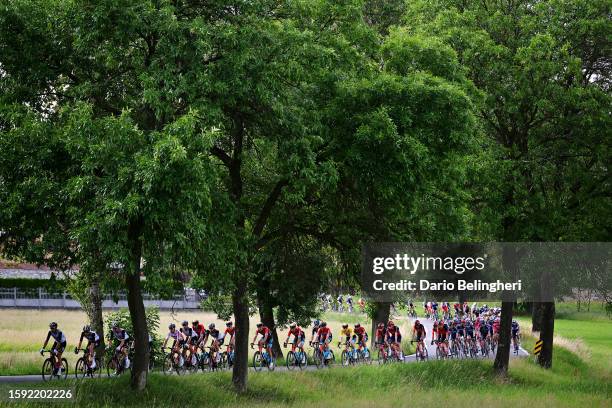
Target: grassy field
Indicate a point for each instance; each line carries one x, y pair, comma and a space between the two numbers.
22, 332
581, 375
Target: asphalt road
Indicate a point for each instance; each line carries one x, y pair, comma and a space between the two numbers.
431, 350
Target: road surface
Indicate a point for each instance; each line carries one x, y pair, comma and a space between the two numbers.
405, 324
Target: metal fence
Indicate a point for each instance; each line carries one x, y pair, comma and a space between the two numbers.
40, 298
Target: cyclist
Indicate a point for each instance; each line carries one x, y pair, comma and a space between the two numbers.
419, 334
59, 345
411, 310
495, 326
266, 338
324, 337
347, 333
442, 333
361, 335
202, 333
191, 341
215, 341
298, 338
349, 302
230, 331
123, 338
340, 303
93, 341
394, 338
453, 331
434, 308
177, 342
361, 305
515, 329
483, 331
469, 332
445, 310
315, 329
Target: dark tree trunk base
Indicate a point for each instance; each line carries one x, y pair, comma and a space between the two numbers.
241, 314
547, 334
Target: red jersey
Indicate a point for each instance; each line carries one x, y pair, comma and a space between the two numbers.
323, 333
200, 329
380, 333
442, 330
360, 331
230, 330
264, 331
297, 332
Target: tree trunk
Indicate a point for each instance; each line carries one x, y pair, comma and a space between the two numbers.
536, 317
546, 334
502, 357
241, 315
140, 365
95, 312
381, 315
266, 313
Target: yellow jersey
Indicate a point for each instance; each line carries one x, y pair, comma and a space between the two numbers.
348, 332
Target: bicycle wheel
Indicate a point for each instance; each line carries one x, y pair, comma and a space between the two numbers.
345, 358
205, 361
302, 360
367, 358
47, 370
111, 366
97, 371
317, 357
168, 366
271, 363
290, 361
80, 368
257, 361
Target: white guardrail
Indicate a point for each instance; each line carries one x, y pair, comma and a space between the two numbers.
39, 298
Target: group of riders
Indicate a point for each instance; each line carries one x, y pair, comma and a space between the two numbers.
119, 336
462, 324
461, 328
341, 303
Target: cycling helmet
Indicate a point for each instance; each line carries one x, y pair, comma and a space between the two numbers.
357, 325
293, 325
316, 323
435, 323
345, 326
229, 324
417, 322
513, 321
195, 323
390, 323
53, 325
172, 326
259, 324
381, 325
185, 323
323, 324
86, 328
211, 326
114, 325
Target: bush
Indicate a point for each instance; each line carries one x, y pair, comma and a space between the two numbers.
30, 286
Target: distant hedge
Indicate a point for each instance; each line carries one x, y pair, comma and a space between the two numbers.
32, 285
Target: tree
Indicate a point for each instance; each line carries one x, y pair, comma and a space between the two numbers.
544, 70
